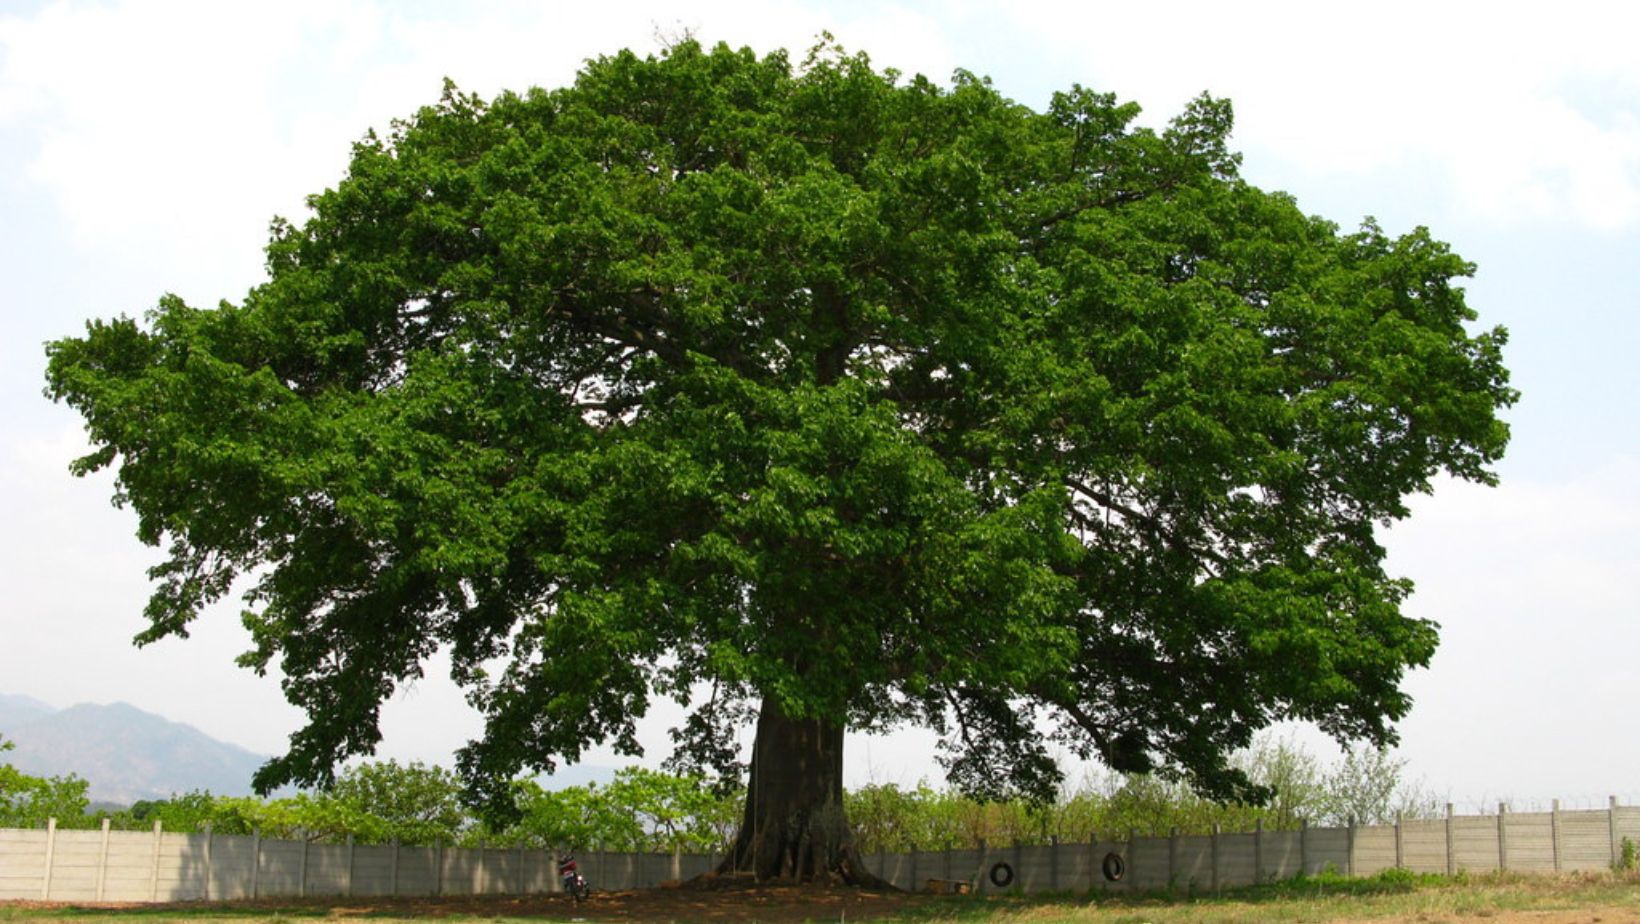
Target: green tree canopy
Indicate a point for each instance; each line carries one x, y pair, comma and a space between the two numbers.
415, 803
28, 801
640, 809
813, 394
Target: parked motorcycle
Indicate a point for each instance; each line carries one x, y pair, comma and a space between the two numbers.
574, 883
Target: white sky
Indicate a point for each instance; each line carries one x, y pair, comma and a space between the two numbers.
145, 145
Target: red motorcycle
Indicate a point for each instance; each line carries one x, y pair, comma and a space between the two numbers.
574, 883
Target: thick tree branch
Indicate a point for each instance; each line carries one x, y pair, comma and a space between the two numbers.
642, 324
1155, 526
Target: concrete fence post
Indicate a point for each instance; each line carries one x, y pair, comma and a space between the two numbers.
1172, 858
984, 864
301, 874
1133, 853
1019, 866
1213, 859
1400, 844
1258, 851
153, 870
1503, 837
256, 862
1611, 826
102, 860
347, 885
438, 866
210, 842
1053, 862
948, 860
522, 886
51, 859
1304, 846
393, 870
1093, 859
1349, 846
1451, 858
677, 861
914, 858
1554, 830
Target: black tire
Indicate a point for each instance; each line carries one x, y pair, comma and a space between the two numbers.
1114, 866
1002, 875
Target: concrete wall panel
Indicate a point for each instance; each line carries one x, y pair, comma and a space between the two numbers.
1283, 854
1530, 841
1627, 822
1585, 841
1423, 846
1236, 860
1327, 849
1192, 864
418, 871
1147, 864
232, 859
1475, 843
1374, 849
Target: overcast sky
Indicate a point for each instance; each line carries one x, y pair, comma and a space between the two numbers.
144, 146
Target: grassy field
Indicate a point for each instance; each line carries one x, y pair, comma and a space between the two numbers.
1390, 898
1398, 897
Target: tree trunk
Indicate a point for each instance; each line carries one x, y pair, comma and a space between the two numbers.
794, 828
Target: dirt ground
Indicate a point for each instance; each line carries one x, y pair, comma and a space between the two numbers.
766, 905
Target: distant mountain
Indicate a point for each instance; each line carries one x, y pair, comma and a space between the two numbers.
16, 710
124, 753
577, 775
127, 754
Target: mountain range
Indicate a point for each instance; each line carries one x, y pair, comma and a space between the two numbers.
125, 753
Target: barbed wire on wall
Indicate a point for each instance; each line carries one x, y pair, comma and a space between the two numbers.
1488, 804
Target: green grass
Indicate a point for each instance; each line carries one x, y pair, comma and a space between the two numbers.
1315, 900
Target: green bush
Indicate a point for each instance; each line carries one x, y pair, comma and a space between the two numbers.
29, 801
641, 809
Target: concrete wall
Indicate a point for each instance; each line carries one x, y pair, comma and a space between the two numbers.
138, 866
1553, 841
127, 866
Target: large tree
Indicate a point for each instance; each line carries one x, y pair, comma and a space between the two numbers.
815, 396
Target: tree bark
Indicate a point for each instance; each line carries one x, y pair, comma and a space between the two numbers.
794, 828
